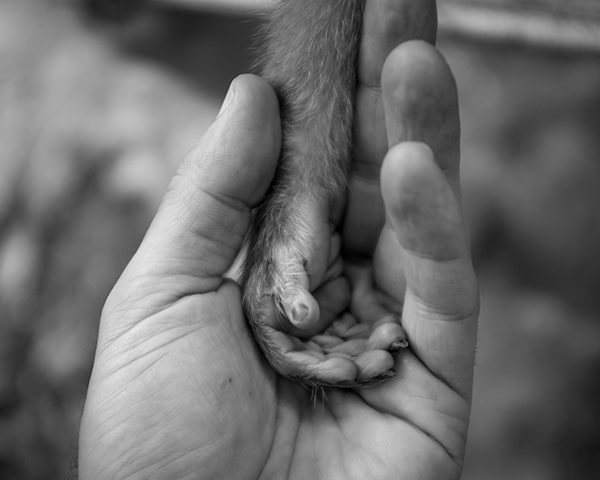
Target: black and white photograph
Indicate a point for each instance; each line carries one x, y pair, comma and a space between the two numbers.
299, 239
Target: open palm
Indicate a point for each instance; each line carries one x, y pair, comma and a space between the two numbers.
180, 390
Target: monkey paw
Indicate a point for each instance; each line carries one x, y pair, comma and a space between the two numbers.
317, 319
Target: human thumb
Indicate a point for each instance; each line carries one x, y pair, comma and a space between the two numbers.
200, 225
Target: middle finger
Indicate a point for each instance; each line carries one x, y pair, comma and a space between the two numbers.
386, 24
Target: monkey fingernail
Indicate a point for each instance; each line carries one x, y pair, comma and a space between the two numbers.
301, 309
388, 336
299, 313
373, 364
398, 346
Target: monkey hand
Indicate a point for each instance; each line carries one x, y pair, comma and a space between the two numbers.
317, 318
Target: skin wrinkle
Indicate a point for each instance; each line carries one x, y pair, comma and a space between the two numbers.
155, 440
228, 200
455, 455
135, 301
347, 438
333, 446
434, 314
426, 458
233, 216
187, 286
130, 337
110, 336
212, 249
150, 469
396, 416
459, 387
132, 362
419, 426
139, 358
280, 414
445, 289
336, 420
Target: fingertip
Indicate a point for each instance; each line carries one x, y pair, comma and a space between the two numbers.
239, 153
252, 87
421, 103
255, 92
416, 65
419, 87
420, 203
405, 172
260, 106
410, 153
301, 309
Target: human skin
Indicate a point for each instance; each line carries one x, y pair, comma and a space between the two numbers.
179, 389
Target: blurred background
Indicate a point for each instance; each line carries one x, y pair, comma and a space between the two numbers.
98, 104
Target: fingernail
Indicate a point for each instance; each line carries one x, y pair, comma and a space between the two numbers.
398, 346
228, 98
299, 314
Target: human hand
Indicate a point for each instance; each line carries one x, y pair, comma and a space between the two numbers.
179, 389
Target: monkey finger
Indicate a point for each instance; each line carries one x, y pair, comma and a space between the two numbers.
300, 308
332, 299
